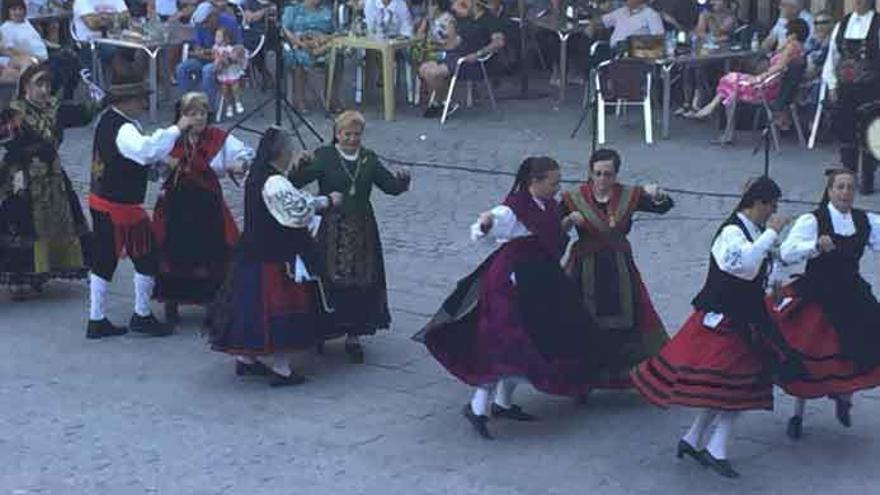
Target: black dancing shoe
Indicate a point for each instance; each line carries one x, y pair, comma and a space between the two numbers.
251, 369
478, 421
98, 329
513, 412
279, 380
355, 352
149, 325
686, 449
795, 428
841, 410
720, 466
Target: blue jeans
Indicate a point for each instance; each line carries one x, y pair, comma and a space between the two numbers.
200, 69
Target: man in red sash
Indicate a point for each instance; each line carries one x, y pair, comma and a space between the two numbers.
601, 262
121, 160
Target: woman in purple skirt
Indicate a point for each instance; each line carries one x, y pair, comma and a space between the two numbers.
517, 317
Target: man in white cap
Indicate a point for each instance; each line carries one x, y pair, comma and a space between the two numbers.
788, 10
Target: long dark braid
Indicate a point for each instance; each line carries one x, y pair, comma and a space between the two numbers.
532, 168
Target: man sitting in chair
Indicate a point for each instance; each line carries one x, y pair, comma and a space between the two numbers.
635, 18
476, 34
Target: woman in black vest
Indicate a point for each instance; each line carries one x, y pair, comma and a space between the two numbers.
852, 75
718, 362
830, 315
268, 308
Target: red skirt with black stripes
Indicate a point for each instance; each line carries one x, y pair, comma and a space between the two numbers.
809, 333
715, 368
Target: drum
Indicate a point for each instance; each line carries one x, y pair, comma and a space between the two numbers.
869, 125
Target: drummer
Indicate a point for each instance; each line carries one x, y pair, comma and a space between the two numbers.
851, 74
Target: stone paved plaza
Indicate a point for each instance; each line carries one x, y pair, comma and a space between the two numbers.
135, 415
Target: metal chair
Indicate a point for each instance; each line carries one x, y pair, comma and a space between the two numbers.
455, 75
817, 117
625, 83
790, 80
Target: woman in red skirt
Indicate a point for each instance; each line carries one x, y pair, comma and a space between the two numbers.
718, 361
829, 315
517, 317
270, 306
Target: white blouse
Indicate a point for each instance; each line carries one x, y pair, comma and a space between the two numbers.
800, 245
735, 255
505, 225
232, 152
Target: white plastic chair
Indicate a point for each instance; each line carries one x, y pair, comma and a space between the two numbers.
470, 85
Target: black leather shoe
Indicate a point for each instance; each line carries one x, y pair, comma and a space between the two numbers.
355, 352
795, 428
279, 380
686, 449
841, 410
251, 369
513, 412
477, 421
98, 329
720, 466
149, 325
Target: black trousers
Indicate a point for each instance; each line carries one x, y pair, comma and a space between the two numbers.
846, 128
104, 258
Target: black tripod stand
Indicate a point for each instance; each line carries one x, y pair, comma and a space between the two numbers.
766, 135
282, 104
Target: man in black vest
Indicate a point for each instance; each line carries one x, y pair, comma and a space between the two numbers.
852, 75
121, 160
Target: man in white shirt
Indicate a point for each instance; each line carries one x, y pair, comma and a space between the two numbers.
91, 18
852, 76
391, 17
788, 10
633, 19
122, 157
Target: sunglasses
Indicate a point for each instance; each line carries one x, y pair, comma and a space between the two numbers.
823, 21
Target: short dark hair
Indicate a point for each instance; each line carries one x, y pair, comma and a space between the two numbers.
604, 155
763, 189
799, 28
9, 4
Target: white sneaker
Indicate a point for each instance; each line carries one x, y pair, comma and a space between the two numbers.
239, 108
230, 112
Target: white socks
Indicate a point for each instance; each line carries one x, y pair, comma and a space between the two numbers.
279, 362
697, 432
143, 292
245, 359
504, 392
480, 402
799, 406
97, 293
718, 443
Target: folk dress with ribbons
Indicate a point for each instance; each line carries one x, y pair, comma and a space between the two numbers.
192, 224
601, 262
829, 314
719, 358
517, 314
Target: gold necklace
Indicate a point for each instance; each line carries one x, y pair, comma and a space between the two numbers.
352, 177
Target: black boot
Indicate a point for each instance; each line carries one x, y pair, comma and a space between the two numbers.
279, 380
513, 412
355, 352
149, 325
795, 428
478, 421
686, 449
98, 329
172, 315
842, 411
720, 466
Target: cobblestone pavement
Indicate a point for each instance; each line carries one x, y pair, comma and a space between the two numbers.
133, 415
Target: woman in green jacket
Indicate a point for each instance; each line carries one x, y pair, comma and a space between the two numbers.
352, 267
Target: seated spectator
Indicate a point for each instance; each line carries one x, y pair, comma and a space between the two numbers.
389, 17
90, 19
477, 33
788, 11
433, 34
200, 64
739, 87
718, 21
633, 19
257, 16
679, 15
21, 41
167, 11
307, 26
816, 47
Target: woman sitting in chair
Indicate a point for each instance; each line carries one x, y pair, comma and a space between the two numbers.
737, 87
308, 27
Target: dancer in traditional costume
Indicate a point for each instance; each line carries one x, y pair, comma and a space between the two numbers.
601, 262
194, 228
518, 315
122, 158
270, 306
352, 265
43, 232
829, 315
720, 361
852, 75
